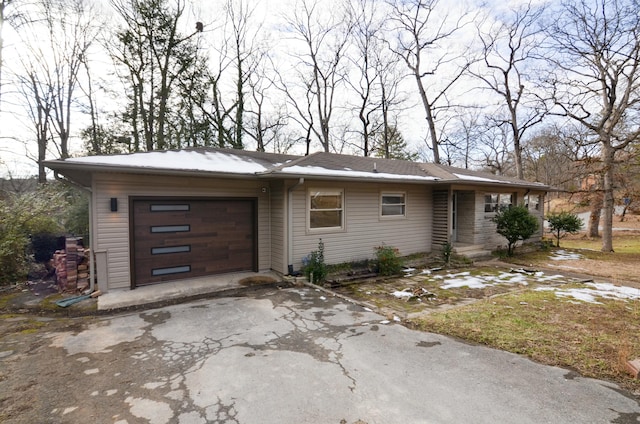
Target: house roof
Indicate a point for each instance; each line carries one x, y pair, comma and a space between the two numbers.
247, 164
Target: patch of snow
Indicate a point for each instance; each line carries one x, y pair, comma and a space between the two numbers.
402, 294
317, 170
596, 290
563, 255
187, 160
476, 178
467, 281
542, 278
396, 319
425, 271
386, 321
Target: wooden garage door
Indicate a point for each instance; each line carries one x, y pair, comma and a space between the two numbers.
174, 239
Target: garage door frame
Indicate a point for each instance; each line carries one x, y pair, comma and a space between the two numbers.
132, 245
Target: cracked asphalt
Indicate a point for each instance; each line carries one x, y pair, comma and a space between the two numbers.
280, 356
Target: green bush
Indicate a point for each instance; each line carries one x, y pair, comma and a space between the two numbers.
313, 266
563, 223
22, 215
515, 223
388, 259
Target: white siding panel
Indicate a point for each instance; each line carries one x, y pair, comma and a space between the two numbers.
364, 228
112, 228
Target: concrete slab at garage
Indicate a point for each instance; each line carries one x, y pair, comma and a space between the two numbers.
188, 289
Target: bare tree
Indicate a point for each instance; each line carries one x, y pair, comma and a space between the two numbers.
265, 120
366, 61
247, 55
598, 80
465, 134
426, 31
508, 49
39, 98
549, 157
324, 35
56, 44
494, 151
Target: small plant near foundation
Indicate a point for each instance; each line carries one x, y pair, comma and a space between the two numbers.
447, 252
313, 265
389, 261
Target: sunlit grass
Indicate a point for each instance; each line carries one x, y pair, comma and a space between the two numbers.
593, 339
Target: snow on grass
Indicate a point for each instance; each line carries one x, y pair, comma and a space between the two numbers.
563, 255
516, 277
594, 291
402, 294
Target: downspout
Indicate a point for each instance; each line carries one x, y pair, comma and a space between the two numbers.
290, 225
92, 262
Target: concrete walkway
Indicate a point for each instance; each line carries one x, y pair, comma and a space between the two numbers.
183, 290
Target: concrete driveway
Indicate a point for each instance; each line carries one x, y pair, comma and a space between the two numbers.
282, 356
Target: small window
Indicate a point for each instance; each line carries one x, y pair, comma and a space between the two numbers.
326, 209
532, 202
490, 202
393, 204
493, 202
169, 208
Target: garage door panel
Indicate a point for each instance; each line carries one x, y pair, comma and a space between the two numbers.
205, 236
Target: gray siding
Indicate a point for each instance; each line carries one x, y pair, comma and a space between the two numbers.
364, 227
111, 229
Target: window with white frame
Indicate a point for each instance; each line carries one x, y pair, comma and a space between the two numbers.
494, 201
393, 204
326, 209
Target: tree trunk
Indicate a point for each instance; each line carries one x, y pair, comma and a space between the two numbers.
594, 218
607, 226
430, 119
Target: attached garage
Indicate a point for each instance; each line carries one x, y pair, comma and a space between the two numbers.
178, 238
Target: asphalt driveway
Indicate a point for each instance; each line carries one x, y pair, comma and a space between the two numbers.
281, 356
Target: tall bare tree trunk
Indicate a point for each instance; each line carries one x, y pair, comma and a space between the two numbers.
607, 227
596, 211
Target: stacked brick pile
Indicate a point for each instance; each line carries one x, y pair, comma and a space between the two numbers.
72, 266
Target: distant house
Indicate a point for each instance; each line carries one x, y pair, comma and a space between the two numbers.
163, 216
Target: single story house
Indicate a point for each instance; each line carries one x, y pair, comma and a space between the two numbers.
170, 215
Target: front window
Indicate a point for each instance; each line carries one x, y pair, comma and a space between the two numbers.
326, 209
494, 202
393, 204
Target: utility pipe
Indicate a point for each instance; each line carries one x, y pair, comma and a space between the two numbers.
290, 225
